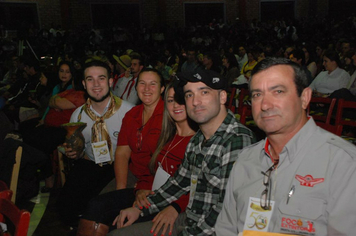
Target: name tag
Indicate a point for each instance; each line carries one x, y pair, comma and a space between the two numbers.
161, 177
101, 152
257, 218
193, 187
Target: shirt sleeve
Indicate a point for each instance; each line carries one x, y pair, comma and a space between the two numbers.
341, 209
175, 187
76, 97
345, 80
206, 227
226, 223
124, 132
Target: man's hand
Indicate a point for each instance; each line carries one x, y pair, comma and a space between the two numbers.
69, 151
128, 72
162, 220
40, 122
131, 214
141, 198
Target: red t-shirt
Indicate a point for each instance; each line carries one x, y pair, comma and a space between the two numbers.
57, 117
130, 136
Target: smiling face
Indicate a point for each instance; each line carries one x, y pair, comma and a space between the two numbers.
97, 83
204, 104
149, 88
276, 106
175, 110
64, 73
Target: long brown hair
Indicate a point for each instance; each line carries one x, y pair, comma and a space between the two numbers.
168, 131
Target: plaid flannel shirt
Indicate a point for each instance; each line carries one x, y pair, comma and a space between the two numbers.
212, 164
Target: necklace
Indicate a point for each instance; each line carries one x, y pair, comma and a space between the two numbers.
171, 148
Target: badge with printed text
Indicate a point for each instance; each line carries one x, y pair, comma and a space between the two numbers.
257, 218
297, 226
193, 187
101, 152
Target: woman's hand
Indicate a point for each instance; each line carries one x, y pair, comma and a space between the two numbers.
163, 220
131, 214
141, 198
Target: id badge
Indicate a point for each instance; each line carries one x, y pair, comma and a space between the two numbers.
101, 152
193, 187
258, 219
161, 177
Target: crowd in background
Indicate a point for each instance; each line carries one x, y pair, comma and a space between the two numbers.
231, 49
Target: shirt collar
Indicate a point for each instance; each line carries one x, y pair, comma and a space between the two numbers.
106, 108
297, 142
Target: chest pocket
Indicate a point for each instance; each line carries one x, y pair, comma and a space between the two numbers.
304, 207
302, 215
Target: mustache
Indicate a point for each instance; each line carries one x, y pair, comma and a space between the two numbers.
269, 113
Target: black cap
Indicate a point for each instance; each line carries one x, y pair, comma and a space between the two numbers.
211, 78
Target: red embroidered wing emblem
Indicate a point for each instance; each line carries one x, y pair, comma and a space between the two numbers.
308, 180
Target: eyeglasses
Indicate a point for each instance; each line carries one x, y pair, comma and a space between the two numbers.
265, 197
139, 138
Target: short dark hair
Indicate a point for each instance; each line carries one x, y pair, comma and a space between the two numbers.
136, 56
32, 62
232, 60
98, 64
161, 79
299, 54
332, 55
300, 78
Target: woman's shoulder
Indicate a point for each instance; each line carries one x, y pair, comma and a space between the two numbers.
135, 111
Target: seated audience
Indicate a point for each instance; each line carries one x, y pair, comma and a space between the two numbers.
121, 68
230, 68
211, 61
298, 56
310, 61
334, 78
125, 86
48, 136
65, 76
160, 65
247, 68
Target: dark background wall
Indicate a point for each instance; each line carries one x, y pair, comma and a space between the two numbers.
99, 13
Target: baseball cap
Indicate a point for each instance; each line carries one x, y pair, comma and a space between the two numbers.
211, 78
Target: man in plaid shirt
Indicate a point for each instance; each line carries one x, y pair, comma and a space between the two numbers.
208, 161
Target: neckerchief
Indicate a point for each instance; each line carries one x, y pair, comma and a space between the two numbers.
99, 130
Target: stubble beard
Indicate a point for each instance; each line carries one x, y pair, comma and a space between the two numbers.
101, 99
